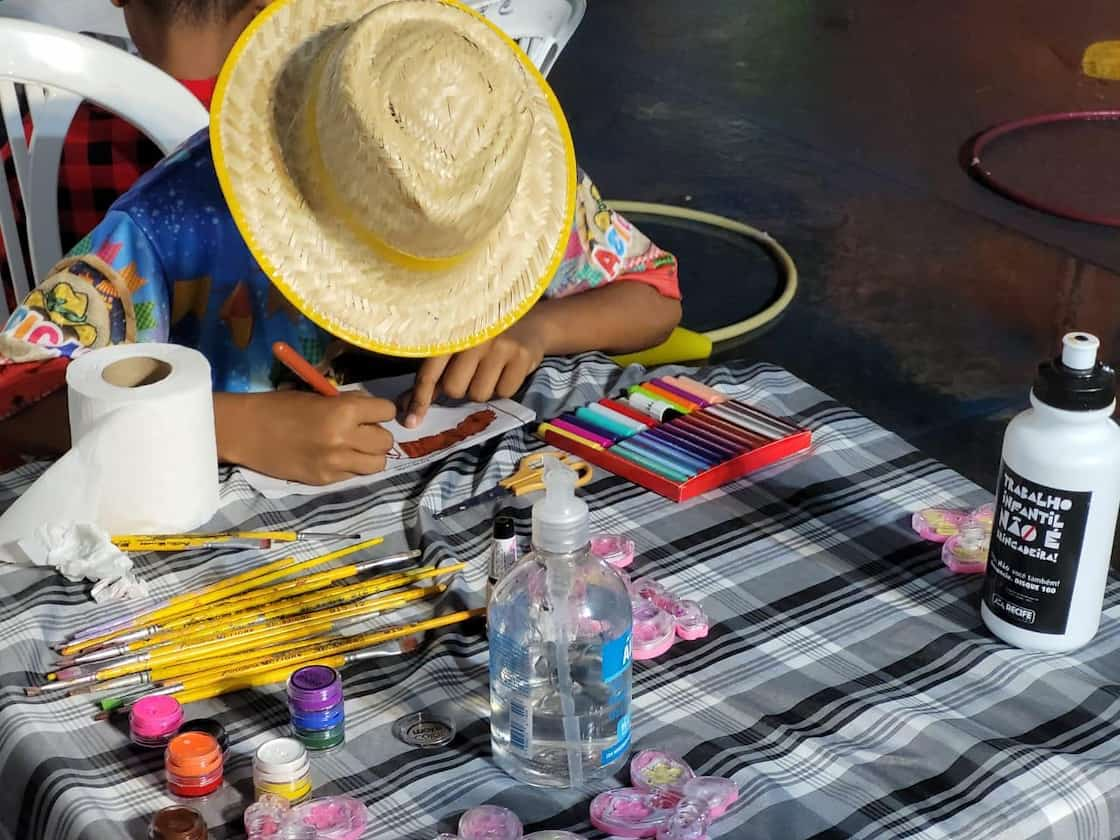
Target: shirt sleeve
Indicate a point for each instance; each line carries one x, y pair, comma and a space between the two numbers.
111, 289
604, 248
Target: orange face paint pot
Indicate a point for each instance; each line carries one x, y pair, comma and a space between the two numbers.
194, 765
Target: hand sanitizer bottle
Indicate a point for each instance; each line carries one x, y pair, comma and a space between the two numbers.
560, 657
1056, 503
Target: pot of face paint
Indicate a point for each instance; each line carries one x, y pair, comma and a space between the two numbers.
194, 765
178, 823
282, 767
211, 727
154, 721
315, 703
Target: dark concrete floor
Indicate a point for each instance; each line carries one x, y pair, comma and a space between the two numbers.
926, 301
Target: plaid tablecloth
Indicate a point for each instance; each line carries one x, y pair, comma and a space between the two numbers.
847, 684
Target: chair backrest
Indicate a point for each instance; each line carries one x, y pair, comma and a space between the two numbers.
58, 70
542, 27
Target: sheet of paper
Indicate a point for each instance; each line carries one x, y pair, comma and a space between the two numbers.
414, 447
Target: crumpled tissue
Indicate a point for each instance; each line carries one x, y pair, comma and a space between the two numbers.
82, 551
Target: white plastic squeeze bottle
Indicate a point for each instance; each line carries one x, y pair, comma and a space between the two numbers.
1057, 498
560, 651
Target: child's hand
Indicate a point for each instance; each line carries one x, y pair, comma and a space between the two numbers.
498, 367
304, 437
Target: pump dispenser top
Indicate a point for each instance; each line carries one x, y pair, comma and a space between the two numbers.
560, 519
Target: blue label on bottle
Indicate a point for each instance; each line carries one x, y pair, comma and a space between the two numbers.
621, 746
616, 657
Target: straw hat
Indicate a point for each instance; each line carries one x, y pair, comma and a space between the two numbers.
399, 169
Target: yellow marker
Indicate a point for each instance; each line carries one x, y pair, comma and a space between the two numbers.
556, 430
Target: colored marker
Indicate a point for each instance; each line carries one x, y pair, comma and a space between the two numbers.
591, 425
605, 421
680, 393
582, 433
628, 410
762, 415
656, 409
671, 454
682, 447
736, 440
564, 433
669, 435
655, 393
722, 427
743, 422
699, 389
623, 420
623, 450
671, 398
731, 447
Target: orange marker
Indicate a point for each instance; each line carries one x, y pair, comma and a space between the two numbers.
302, 368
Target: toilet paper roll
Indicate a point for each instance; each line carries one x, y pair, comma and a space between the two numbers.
143, 456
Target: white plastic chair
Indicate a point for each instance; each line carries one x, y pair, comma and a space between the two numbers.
58, 70
542, 27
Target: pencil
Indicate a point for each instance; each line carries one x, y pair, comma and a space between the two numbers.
298, 365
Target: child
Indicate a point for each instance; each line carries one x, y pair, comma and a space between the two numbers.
103, 155
392, 175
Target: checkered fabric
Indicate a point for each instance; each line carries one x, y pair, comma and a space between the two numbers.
848, 685
102, 158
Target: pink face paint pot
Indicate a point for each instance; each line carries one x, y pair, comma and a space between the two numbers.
154, 721
618, 551
490, 822
713, 792
654, 630
333, 817
629, 812
688, 822
654, 771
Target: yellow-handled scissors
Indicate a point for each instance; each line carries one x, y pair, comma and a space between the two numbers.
528, 478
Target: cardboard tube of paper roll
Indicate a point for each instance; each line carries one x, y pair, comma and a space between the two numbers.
143, 457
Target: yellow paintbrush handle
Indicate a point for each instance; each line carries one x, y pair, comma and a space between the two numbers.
215, 593
294, 628
334, 647
204, 627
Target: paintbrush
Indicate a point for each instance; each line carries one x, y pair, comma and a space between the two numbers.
183, 542
215, 628
269, 638
277, 669
251, 597
225, 590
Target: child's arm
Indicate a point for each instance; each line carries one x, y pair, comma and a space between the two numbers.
594, 320
615, 291
119, 292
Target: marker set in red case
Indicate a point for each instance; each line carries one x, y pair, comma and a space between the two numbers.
675, 436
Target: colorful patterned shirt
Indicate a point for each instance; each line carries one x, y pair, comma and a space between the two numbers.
102, 157
168, 264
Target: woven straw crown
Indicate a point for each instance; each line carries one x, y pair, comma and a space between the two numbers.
398, 168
